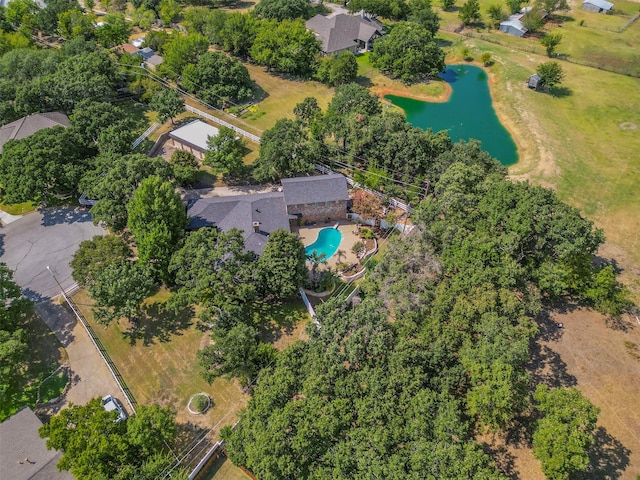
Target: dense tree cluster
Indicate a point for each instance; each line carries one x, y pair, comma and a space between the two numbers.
94, 445
282, 9
217, 79
14, 309
396, 385
408, 53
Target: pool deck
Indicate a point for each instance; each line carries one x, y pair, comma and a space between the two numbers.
308, 235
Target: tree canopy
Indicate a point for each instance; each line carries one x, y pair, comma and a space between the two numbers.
217, 79
551, 73
226, 153
157, 218
286, 47
284, 152
13, 347
408, 53
93, 255
51, 161
94, 446
282, 265
282, 9
470, 12
112, 182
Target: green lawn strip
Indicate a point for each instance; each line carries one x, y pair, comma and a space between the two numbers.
45, 356
18, 208
280, 323
223, 469
166, 370
53, 386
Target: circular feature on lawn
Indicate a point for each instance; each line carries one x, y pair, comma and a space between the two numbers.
199, 403
628, 126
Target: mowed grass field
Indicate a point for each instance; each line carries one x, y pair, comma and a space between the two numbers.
163, 367
159, 363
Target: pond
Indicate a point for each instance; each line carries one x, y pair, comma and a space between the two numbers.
467, 114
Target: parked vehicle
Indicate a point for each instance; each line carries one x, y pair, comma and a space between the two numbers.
110, 404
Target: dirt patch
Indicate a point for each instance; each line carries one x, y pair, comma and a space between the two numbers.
628, 126
592, 353
407, 93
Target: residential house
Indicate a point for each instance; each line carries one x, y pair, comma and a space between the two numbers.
514, 26
23, 454
307, 199
339, 33
27, 126
193, 137
316, 199
598, 6
153, 62
257, 215
146, 53
127, 48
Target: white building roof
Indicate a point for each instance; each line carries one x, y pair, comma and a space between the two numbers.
600, 4
196, 134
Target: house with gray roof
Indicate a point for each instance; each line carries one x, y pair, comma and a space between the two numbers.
338, 33
27, 126
318, 198
23, 454
257, 215
598, 6
307, 199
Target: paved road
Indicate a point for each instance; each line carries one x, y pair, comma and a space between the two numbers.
50, 237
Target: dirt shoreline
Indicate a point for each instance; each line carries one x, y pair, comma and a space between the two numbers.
381, 91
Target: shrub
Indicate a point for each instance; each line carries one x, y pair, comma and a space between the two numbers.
486, 59
200, 403
366, 233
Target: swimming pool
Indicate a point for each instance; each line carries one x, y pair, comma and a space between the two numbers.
327, 242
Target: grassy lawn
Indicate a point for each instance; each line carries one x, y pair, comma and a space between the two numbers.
45, 355
588, 38
160, 366
17, 208
159, 361
278, 95
53, 386
223, 469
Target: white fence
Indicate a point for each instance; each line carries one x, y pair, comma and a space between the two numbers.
146, 133
250, 136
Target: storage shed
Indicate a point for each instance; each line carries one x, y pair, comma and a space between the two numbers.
598, 6
193, 137
535, 81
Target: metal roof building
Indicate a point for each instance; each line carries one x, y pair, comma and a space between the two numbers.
598, 6
194, 137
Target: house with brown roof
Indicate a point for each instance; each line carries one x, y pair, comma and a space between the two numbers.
338, 33
27, 126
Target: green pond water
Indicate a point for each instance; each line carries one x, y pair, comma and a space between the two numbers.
467, 114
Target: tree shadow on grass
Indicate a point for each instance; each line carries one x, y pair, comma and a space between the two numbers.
608, 458
274, 320
560, 91
158, 323
545, 366
505, 461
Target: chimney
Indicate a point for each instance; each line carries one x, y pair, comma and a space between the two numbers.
256, 227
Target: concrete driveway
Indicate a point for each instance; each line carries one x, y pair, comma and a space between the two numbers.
41, 239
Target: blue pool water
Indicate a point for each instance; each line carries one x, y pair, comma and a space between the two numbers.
327, 242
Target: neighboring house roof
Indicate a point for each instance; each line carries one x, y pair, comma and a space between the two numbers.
241, 211
603, 4
146, 53
137, 42
154, 60
196, 134
41, 3
128, 48
27, 126
342, 31
319, 188
23, 454
514, 22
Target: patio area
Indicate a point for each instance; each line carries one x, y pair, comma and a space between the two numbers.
308, 235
